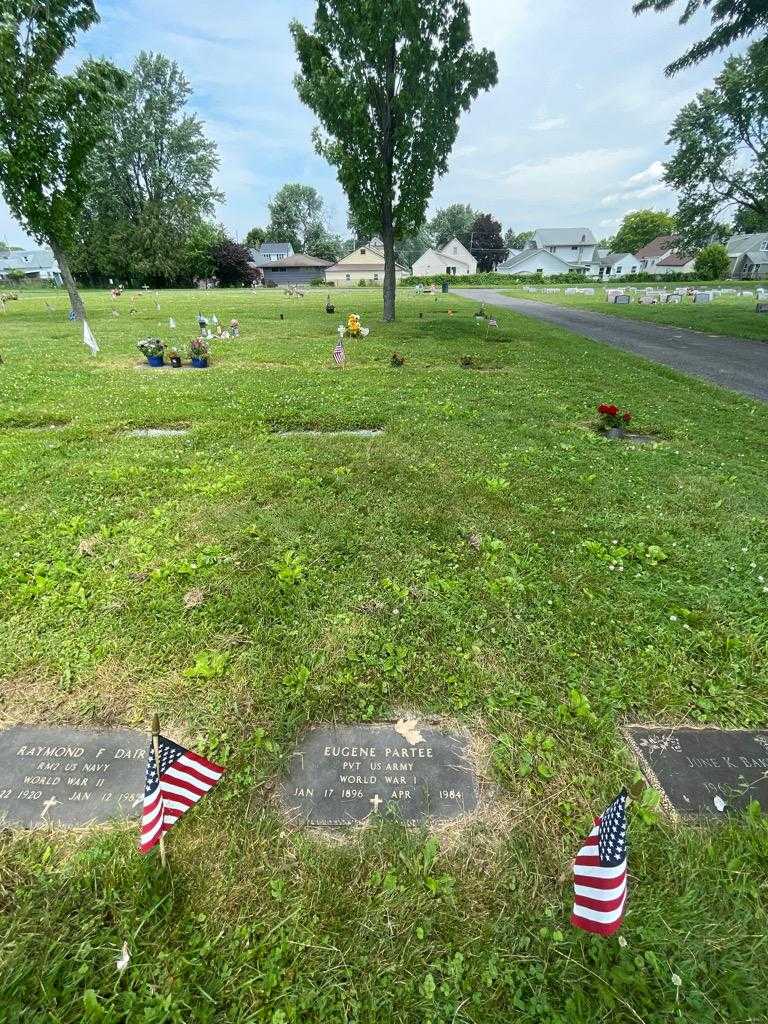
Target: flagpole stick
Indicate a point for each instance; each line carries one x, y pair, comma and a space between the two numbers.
156, 751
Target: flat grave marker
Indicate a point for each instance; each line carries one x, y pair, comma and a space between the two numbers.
340, 776
70, 777
704, 772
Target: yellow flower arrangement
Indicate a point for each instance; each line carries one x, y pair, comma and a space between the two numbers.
353, 329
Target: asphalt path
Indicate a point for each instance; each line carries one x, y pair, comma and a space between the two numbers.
728, 362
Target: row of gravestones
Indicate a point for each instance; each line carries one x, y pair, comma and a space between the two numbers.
341, 775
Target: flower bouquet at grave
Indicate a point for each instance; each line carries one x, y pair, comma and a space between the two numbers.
175, 357
153, 349
354, 328
613, 420
199, 352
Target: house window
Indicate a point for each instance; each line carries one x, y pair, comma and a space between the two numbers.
362, 252
539, 270
455, 250
764, 247
574, 247
348, 278
618, 270
375, 277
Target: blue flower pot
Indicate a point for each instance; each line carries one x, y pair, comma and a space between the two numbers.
199, 362
155, 360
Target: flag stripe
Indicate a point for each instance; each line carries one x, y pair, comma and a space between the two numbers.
183, 779
600, 873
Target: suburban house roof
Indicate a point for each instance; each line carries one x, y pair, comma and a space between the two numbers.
658, 247
563, 236
739, 244
463, 256
27, 260
616, 257
375, 245
674, 260
276, 248
374, 268
527, 254
300, 260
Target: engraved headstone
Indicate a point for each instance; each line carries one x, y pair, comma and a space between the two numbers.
761, 307
621, 300
343, 775
70, 777
704, 771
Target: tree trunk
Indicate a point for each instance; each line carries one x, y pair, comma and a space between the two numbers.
390, 282
69, 282
388, 161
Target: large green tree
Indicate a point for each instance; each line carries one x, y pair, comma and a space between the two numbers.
641, 227
486, 243
720, 161
50, 122
517, 239
731, 20
712, 263
255, 237
152, 180
297, 213
454, 221
388, 80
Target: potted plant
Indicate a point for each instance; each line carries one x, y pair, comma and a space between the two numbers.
329, 306
175, 357
613, 420
153, 349
199, 352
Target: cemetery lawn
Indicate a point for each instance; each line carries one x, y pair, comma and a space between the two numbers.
489, 559
727, 314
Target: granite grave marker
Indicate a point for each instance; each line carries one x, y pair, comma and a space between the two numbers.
340, 776
704, 771
70, 777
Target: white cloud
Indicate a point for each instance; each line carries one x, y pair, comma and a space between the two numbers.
650, 174
573, 175
548, 124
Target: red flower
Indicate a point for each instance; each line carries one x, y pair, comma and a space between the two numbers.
608, 410
627, 417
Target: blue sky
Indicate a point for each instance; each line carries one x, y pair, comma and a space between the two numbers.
574, 133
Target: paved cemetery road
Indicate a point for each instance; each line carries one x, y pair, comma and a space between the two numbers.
728, 362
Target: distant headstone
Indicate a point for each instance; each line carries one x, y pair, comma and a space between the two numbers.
702, 297
70, 777
340, 776
621, 300
704, 771
761, 307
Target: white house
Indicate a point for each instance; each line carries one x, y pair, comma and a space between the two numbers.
618, 264
453, 259
33, 264
556, 251
748, 255
366, 263
273, 252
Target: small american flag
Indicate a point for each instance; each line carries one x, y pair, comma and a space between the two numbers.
600, 873
184, 777
339, 355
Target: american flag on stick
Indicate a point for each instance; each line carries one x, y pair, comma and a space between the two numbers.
600, 873
339, 355
176, 779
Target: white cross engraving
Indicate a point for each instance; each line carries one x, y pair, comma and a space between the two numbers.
376, 800
51, 802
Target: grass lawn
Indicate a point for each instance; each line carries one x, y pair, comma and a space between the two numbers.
609, 584
726, 314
